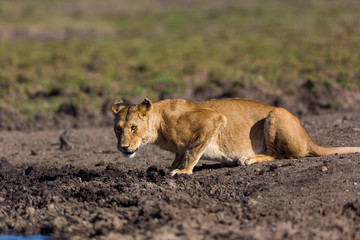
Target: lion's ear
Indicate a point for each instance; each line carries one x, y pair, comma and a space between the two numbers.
117, 105
146, 106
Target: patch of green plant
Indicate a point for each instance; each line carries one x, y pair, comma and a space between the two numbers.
343, 79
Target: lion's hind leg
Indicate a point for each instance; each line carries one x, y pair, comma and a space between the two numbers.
259, 158
284, 135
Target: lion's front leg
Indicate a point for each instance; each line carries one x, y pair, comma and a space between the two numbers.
179, 157
191, 157
205, 132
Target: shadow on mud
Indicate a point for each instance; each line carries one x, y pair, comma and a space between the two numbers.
211, 166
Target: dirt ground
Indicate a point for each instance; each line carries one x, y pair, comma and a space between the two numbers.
91, 191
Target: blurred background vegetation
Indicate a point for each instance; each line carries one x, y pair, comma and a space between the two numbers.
53, 52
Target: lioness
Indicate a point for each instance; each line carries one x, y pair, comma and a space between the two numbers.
232, 131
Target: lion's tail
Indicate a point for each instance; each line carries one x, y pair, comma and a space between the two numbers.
324, 151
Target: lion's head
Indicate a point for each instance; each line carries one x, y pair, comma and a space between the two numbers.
131, 125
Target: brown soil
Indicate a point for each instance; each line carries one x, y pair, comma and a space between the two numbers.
90, 191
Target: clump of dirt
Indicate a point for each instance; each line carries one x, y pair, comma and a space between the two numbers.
11, 119
5, 166
316, 96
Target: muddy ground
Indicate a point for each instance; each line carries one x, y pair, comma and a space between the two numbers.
90, 191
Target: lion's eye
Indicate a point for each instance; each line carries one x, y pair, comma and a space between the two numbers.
133, 128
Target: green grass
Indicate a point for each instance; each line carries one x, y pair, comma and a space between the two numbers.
97, 51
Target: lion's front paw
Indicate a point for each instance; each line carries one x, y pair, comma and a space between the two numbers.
245, 161
178, 171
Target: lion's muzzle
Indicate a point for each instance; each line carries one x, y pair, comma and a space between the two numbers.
126, 151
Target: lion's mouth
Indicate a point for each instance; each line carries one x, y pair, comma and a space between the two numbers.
127, 153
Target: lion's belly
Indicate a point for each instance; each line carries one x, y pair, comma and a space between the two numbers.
229, 156
213, 152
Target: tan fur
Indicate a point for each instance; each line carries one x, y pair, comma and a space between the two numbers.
232, 131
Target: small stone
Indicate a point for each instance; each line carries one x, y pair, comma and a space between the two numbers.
253, 202
29, 170
33, 152
69, 138
273, 167
101, 163
30, 210
5, 165
324, 169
